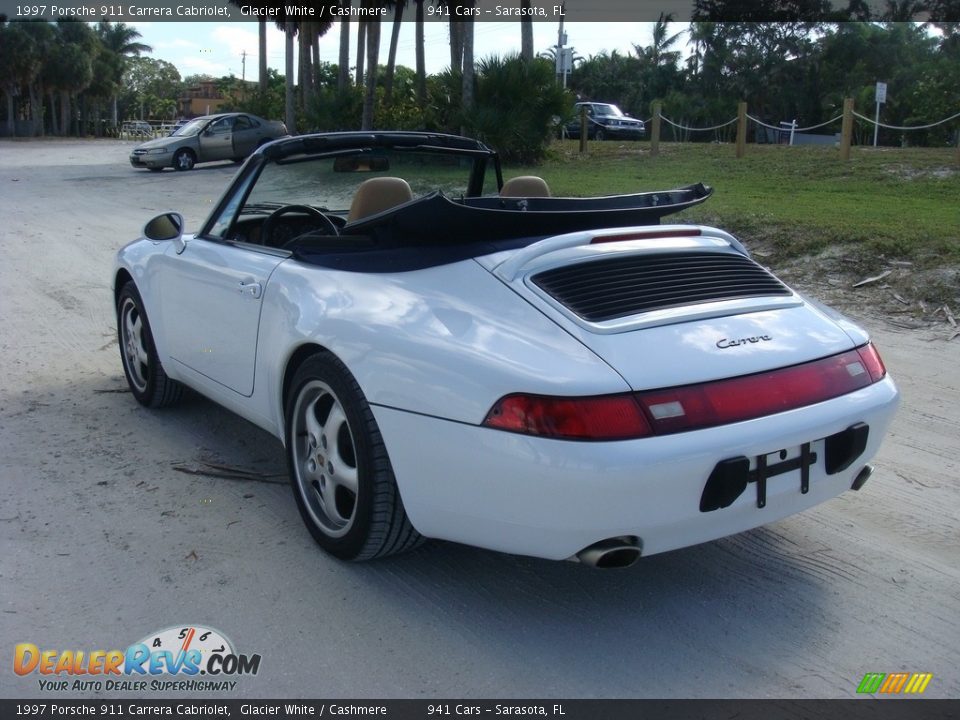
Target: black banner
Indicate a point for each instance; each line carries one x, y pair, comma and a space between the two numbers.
551, 11
865, 709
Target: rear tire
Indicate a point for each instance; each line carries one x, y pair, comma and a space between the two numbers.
341, 475
145, 376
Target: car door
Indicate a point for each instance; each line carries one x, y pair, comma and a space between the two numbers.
216, 141
246, 134
210, 305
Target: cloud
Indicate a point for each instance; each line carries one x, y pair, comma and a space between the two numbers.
234, 39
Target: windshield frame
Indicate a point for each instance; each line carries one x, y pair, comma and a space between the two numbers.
484, 161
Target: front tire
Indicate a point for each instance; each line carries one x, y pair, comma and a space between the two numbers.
598, 136
145, 376
184, 159
341, 475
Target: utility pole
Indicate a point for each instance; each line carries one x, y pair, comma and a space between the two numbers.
243, 74
561, 41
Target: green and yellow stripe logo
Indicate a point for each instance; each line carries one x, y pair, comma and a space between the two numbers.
894, 683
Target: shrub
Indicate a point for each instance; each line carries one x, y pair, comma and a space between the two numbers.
517, 104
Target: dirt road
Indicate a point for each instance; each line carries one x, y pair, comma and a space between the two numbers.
105, 539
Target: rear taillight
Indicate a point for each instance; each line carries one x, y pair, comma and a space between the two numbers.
646, 235
688, 407
610, 417
871, 360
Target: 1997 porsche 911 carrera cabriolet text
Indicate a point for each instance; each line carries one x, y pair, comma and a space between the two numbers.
445, 355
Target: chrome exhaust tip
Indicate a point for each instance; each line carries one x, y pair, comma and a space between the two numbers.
862, 477
618, 552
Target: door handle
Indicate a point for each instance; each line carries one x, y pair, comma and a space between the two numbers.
251, 288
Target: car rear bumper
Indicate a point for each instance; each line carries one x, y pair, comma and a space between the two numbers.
553, 498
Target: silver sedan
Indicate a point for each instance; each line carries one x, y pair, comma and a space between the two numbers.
229, 136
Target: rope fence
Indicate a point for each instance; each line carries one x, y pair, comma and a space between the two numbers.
908, 127
847, 119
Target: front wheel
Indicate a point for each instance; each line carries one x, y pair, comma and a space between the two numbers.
184, 159
339, 468
145, 376
598, 135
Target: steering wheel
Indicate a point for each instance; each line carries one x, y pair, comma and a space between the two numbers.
266, 230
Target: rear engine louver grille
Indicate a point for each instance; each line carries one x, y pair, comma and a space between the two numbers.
620, 286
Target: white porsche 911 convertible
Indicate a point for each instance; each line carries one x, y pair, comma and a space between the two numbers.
445, 355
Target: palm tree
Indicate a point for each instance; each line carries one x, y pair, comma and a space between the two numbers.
19, 64
904, 10
658, 52
120, 41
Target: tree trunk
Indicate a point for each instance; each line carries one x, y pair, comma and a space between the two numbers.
392, 57
421, 60
291, 119
36, 110
456, 46
11, 119
304, 75
526, 33
263, 63
54, 128
64, 113
466, 100
373, 52
361, 50
343, 76
315, 62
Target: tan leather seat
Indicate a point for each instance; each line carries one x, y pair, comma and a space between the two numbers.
378, 194
525, 186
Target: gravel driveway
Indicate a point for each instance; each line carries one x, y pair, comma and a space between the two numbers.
107, 537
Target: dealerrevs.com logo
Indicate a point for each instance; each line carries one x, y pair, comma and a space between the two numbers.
179, 658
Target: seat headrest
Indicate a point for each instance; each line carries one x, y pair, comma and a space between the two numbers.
378, 194
525, 186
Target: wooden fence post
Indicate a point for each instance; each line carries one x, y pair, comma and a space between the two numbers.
741, 129
655, 130
846, 129
583, 128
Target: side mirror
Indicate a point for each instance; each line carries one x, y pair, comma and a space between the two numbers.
168, 226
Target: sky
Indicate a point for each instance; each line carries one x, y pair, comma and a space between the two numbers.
217, 48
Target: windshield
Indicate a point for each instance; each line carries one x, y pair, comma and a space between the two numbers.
191, 128
331, 182
607, 109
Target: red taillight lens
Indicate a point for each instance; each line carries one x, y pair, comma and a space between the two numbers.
611, 417
689, 407
871, 359
752, 396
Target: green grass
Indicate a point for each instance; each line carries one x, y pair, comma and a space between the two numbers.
885, 203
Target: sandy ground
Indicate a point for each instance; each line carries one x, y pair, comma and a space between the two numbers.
103, 541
